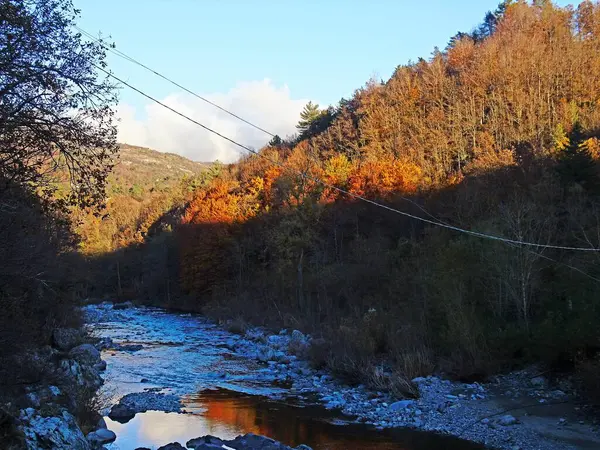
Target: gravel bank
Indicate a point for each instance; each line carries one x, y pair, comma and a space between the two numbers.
515, 411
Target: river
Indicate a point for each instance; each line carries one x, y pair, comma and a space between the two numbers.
225, 392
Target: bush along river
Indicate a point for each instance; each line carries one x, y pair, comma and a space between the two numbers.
180, 379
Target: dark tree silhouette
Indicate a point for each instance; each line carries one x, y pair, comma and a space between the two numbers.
55, 113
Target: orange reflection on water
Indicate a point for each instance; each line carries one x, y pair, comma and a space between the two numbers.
282, 422
228, 411
155, 428
227, 414
294, 425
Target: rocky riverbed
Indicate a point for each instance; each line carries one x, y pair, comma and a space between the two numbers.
47, 419
249, 441
160, 359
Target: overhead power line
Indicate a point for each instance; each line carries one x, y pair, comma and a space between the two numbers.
343, 191
164, 77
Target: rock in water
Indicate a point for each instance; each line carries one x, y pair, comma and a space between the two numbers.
101, 423
253, 441
130, 347
172, 446
101, 366
143, 401
100, 437
85, 354
66, 338
52, 433
104, 343
121, 413
209, 440
249, 441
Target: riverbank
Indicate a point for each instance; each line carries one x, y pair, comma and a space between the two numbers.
58, 411
517, 410
545, 416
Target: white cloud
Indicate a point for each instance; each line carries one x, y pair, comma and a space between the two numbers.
259, 102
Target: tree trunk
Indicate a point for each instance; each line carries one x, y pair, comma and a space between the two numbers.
119, 288
300, 283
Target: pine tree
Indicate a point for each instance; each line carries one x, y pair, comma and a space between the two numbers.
577, 164
309, 114
276, 141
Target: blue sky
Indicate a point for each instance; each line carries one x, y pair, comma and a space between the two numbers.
251, 53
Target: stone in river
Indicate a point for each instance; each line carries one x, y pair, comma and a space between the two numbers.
172, 446
205, 440
100, 437
121, 413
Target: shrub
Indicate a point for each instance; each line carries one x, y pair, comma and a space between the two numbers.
589, 377
237, 326
396, 383
34, 286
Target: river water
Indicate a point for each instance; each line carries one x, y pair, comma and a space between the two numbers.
225, 393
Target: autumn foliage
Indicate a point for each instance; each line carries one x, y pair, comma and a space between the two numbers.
498, 133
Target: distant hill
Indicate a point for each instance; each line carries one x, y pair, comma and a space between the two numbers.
143, 186
144, 168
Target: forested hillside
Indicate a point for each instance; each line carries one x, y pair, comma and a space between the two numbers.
498, 133
143, 185
140, 171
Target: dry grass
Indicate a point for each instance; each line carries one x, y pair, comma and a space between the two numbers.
414, 363
318, 353
351, 351
371, 351
396, 383
90, 405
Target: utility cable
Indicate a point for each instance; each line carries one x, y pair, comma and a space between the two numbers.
343, 191
164, 77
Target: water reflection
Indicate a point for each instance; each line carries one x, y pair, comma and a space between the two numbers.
155, 428
226, 414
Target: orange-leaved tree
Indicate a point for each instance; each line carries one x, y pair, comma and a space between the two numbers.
384, 177
206, 233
